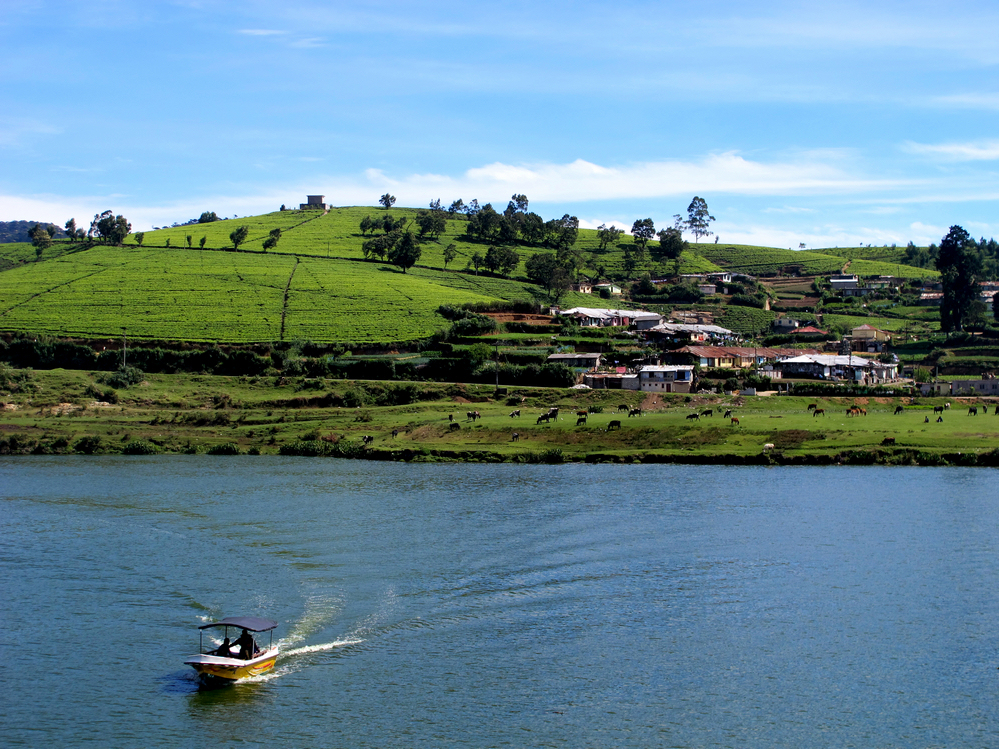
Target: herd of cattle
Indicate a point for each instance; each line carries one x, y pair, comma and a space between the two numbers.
553, 414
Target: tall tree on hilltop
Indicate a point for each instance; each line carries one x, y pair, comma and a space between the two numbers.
960, 265
643, 230
698, 218
387, 200
110, 229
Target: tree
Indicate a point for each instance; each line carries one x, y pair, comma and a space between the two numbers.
450, 253
366, 225
457, 206
671, 247
698, 218
432, 223
477, 261
189, 239
201, 242
41, 238
71, 229
238, 236
518, 204
607, 235
140, 237
272, 239
502, 260
110, 229
387, 200
406, 252
435, 205
643, 230
208, 217
380, 245
545, 269
960, 265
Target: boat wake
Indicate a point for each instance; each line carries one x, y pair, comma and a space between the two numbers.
321, 647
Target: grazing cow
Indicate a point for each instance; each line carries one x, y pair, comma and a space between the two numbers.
997, 410
708, 412
818, 411
472, 415
455, 427
395, 433
450, 418
693, 416
623, 407
615, 424
634, 412
580, 421
812, 406
515, 437
544, 418
851, 412
367, 439
727, 414
553, 412
947, 406
938, 409
888, 441
584, 412
898, 410
515, 414
769, 447
735, 421
973, 411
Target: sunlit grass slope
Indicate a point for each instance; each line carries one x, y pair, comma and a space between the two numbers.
180, 294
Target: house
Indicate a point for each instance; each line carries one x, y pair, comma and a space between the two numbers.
576, 361
610, 288
988, 386
931, 298
595, 317
837, 367
611, 380
708, 289
666, 378
842, 283
784, 325
870, 339
810, 331
688, 332
314, 203
735, 357
647, 320
583, 287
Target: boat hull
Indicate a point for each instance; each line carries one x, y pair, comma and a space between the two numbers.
213, 667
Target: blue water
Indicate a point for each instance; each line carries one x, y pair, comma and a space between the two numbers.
501, 605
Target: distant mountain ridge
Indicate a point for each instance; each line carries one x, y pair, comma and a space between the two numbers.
17, 231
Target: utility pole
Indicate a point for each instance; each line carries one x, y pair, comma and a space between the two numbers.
124, 348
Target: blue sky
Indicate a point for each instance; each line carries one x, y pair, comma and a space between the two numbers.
834, 125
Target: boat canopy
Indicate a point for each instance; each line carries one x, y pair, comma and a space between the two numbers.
251, 623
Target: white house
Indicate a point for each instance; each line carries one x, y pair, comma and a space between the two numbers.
666, 378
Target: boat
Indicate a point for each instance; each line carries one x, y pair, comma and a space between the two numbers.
237, 658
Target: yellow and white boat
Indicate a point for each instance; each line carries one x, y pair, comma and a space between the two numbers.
239, 658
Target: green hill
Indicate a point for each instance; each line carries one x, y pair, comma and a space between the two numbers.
315, 285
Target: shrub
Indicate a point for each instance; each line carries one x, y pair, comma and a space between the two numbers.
88, 444
228, 448
139, 447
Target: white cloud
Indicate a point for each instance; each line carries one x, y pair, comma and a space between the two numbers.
581, 181
985, 150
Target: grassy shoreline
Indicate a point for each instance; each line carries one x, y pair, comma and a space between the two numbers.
70, 412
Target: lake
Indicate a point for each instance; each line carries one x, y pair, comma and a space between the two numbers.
501, 605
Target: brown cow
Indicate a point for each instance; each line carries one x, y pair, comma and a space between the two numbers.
735, 421
818, 411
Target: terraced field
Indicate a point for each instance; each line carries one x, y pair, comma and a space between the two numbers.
180, 294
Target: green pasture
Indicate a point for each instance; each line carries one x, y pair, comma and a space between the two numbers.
186, 413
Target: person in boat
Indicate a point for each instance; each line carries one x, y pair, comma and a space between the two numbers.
225, 649
247, 646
